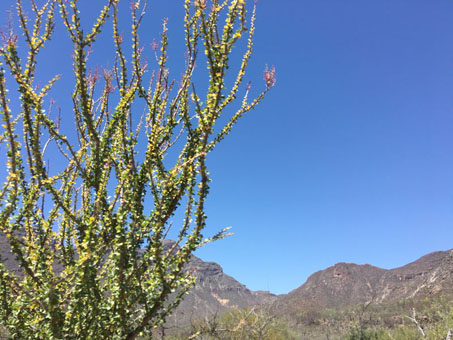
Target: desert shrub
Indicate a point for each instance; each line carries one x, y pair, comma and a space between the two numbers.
360, 333
243, 324
89, 231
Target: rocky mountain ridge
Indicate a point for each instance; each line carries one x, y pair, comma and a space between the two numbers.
348, 284
215, 292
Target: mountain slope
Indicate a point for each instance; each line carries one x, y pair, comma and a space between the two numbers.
214, 292
348, 284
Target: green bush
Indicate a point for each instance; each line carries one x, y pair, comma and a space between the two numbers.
132, 150
359, 333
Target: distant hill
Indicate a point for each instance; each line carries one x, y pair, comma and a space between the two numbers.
348, 284
215, 292
7, 257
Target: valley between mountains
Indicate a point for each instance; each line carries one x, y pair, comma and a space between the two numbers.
339, 286
334, 301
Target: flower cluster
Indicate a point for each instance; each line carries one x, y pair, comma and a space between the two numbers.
270, 77
154, 45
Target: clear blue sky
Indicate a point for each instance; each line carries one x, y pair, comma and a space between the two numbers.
349, 158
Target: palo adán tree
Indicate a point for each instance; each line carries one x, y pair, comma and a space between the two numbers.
89, 236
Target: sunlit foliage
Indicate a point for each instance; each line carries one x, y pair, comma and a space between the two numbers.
89, 237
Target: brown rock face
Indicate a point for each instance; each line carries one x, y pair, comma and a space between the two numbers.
215, 292
340, 285
347, 284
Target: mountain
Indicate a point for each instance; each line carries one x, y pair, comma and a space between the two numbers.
349, 284
215, 292
7, 257
340, 285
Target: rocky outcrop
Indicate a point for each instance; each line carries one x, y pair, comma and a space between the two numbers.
429, 275
215, 292
348, 284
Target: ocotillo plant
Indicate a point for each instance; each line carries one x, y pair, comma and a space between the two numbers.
89, 237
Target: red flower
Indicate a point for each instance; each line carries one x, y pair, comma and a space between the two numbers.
154, 45
270, 77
